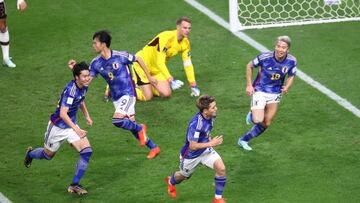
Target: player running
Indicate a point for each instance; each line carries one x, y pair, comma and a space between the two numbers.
268, 87
198, 149
63, 126
113, 66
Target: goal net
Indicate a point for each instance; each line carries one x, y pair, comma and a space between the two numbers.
250, 14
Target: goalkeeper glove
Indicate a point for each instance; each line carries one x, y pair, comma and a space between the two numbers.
176, 84
195, 91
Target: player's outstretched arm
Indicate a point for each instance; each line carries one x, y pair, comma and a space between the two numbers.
71, 63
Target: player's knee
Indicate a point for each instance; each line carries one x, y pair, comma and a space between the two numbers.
186, 178
257, 120
118, 115
147, 97
221, 171
165, 93
3, 28
48, 156
266, 123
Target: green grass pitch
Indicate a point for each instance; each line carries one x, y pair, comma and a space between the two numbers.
309, 154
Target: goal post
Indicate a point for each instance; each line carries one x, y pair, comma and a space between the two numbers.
252, 14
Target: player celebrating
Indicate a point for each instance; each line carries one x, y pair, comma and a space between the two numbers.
155, 55
198, 149
113, 66
4, 33
62, 126
268, 86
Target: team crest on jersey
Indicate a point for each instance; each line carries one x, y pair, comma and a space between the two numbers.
115, 66
285, 69
164, 49
189, 53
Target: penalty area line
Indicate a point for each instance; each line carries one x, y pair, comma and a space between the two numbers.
310, 81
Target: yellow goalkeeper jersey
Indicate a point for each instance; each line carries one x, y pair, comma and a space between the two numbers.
160, 49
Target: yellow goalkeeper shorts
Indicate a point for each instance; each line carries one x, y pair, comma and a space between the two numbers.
140, 77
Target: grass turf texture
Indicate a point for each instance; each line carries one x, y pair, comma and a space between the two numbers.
309, 154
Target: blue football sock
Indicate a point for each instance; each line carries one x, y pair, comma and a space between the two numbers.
220, 182
255, 131
173, 180
82, 164
150, 144
39, 153
126, 124
135, 133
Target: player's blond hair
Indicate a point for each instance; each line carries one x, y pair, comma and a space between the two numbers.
285, 39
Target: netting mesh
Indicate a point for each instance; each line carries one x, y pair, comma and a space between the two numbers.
263, 12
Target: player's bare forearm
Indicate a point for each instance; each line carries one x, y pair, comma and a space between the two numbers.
249, 73
288, 84
65, 117
196, 146
86, 113
217, 140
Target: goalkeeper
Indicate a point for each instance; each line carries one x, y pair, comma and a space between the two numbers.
155, 55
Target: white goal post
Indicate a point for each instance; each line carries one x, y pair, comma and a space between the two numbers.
252, 14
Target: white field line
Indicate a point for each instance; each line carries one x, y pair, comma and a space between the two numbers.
4, 199
341, 101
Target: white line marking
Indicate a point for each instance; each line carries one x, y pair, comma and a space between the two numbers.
341, 101
4, 199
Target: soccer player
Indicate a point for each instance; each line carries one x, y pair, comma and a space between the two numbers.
155, 54
268, 87
198, 149
4, 33
63, 126
113, 66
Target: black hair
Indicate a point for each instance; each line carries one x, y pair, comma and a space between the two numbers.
79, 67
103, 36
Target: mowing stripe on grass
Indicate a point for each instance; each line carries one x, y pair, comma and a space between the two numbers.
341, 101
4, 199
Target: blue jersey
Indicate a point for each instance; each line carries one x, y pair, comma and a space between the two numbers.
272, 73
198, 131
71, 97
116, 72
